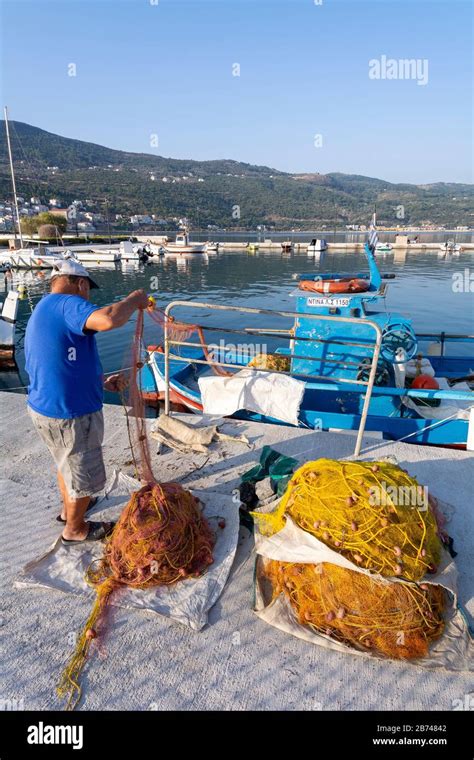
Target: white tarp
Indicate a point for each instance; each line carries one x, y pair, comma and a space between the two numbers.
188, 602
454, 650
266, 393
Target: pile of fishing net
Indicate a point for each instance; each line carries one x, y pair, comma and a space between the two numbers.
377, 537
161, 538
271, 362
373, 513
398, 620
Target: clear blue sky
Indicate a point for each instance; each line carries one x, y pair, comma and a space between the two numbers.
166, 69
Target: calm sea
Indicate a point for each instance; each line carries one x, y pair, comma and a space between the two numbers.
423, 289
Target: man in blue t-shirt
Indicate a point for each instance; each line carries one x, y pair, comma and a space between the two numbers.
65, 393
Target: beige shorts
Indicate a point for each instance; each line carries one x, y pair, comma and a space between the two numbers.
76, 447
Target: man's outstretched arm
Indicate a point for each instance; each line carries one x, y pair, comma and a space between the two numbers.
117, 314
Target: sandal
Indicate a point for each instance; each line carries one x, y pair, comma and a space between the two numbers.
97, 531
91, 505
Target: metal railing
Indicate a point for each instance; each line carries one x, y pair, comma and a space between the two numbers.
442, 338
369, 383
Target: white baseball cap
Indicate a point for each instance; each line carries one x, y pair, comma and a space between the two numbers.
72, 267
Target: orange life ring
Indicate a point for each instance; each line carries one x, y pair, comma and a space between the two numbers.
342, 285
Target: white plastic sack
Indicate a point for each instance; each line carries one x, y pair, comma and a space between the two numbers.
188, 602
266, 393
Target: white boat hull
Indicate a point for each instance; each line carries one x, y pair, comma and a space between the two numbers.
8, 316
179, 249
97, 257
317, 247
27, 260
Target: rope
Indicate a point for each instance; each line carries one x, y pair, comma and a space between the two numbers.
405, 437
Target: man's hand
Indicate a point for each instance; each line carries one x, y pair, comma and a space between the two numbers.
140, 299
115, 383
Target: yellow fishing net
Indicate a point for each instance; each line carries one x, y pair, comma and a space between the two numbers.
269, 362
392, 618
373, 513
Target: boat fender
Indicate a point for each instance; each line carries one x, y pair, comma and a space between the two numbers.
426, 382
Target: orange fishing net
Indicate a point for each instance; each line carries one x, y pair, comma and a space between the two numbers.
181, 332
156, 543
391, 618
161, 537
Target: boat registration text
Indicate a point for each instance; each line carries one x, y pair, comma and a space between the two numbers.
328, 301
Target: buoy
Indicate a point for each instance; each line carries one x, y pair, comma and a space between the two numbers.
425, 381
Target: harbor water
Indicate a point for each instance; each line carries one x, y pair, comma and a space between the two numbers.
433, 288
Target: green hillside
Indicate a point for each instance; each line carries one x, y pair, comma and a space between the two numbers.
262, 194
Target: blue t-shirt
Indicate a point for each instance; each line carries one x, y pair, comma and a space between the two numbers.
62, 362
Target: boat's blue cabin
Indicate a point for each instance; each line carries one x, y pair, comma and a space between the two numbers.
335, 349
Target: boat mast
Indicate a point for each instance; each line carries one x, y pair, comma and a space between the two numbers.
13, 175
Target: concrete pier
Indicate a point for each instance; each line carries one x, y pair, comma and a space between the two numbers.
268, 245
237, 662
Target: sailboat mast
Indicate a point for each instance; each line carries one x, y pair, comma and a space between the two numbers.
13, 174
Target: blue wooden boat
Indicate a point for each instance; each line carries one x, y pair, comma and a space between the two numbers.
345, 348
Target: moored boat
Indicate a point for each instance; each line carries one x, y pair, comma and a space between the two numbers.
317, 245
182, 245
35, 257
352, 355
450, 247
8, 315
97, 256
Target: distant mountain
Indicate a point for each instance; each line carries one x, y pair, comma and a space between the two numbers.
224, 192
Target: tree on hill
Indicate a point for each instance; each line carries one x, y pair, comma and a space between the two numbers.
31, 224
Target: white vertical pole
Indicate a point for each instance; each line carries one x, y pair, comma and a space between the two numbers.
13, 175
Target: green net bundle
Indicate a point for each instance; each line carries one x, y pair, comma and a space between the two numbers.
373, 513
390, 618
